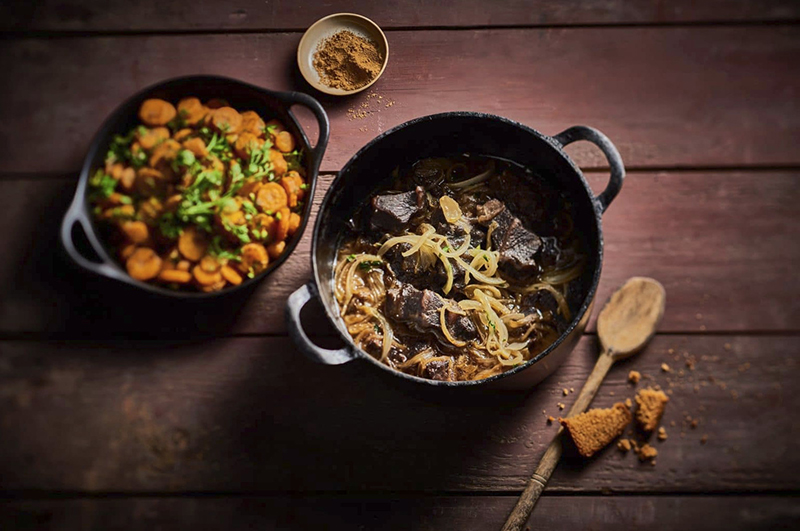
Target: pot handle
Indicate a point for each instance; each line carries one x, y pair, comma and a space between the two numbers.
291, 98
590, 134
294, 305
76, 214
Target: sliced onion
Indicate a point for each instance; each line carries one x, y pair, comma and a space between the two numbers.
450, 209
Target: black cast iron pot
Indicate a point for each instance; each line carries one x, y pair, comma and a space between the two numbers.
445, 135
243, 96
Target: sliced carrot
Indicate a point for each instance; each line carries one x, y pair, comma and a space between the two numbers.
127, 251
172, 203
183, 134
254, 257
150, 209
249, 187
175, 276
294, 223
155, 112
292, 183
252, 123
283, 216
231, 275
192, 244
183, 265
246, 143
116, 171
226, 120
128, 179
214, 287
196, 146
209, 264
284, 141
143, 264
120, 212
205, 278
135, 231
150, 138
271, 197
276, 249
191, 110
262, 227
164, 152
213, 162
150, 181
274, 127
279, 164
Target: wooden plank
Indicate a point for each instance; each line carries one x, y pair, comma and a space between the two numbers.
667, 96
599, 513
251, 415
151, 15
721, 243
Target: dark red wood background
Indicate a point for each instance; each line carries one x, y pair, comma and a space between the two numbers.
207, 417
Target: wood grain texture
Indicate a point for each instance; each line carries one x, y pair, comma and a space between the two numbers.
152, 15
704, 96
723, 245
473, 513
251, 415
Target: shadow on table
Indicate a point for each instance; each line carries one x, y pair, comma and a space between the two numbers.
45, 292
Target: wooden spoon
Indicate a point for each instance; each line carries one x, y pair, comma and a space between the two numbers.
625, 325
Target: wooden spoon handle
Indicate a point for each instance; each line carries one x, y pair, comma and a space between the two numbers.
536, 484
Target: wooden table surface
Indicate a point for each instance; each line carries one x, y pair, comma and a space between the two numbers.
122, 411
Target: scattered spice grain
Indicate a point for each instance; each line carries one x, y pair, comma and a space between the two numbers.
634, 377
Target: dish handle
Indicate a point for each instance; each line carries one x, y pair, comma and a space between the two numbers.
590, 134
298, 98
294, 305
76, 214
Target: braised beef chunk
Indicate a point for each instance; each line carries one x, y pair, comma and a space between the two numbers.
429, 172
392, 212
419, 309
543, 303
517, 245
438, 370
488, 210
408, 270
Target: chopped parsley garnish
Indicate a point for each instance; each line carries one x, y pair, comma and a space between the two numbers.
101, 186
369, 264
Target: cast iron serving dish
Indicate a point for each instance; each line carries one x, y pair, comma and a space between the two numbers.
241, 96
445, 135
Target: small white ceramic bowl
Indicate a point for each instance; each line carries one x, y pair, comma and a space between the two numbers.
328, 26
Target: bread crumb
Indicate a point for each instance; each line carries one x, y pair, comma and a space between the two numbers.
628, 402
650, 407
693, 423
671, 351
611, 393
727, 346
624, 445
664, 367
646, 452
595, 429
703, 439
561, 406
634, 377
550, 419
662, 434
565, 391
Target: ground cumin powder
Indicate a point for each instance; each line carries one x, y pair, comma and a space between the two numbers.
347, 61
